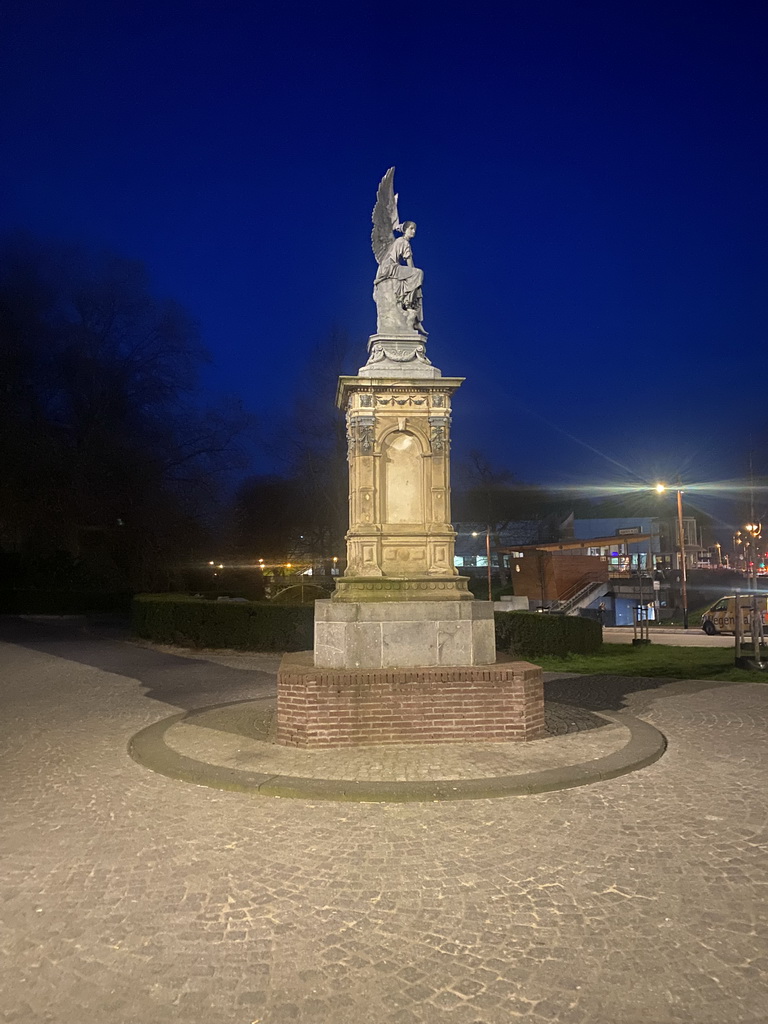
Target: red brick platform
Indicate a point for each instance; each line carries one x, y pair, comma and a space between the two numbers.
322, 707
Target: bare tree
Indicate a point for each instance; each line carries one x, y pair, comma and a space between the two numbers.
101, 430
313, 448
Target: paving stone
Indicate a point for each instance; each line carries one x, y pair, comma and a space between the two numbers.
133, 898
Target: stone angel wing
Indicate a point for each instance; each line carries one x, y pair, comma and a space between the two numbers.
385, 217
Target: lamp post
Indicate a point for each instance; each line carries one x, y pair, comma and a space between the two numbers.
752, 533
487, 557
660, 489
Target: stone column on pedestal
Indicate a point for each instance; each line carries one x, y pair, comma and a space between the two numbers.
400, 543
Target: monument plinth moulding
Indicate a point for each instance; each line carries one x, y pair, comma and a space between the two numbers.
402, 651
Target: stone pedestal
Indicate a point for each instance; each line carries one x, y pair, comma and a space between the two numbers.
398, 432
397, 634
402, 653
399, 356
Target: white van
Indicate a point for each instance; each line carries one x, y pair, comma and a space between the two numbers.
721, 617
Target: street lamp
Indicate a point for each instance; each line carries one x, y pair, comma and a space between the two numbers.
660, 489
754, 531
487, 556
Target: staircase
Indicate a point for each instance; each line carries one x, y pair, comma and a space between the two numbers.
587, 590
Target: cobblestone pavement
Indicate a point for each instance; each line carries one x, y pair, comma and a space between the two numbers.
130, 898
211, 738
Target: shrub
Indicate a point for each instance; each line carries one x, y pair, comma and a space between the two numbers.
532, 633
242, 625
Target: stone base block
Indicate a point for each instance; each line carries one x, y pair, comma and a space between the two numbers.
346, 708
398, 355
350, 635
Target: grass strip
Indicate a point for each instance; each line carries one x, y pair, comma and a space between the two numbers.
661, 662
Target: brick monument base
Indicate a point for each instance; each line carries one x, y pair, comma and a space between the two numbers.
325, 707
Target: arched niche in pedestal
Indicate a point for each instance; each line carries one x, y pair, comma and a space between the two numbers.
403, 463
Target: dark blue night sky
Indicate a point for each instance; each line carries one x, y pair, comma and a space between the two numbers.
589, 182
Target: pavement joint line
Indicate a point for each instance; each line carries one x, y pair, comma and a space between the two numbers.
148, 748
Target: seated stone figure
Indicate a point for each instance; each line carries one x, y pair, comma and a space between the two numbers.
398, 283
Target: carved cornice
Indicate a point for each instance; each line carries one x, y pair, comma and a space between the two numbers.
370, 389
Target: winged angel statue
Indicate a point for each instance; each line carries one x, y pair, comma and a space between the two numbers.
397, 287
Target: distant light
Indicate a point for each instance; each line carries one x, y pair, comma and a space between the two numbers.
288, 565
210, 563
221, 566
660, 488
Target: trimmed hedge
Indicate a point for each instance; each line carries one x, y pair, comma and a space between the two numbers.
266, 626
242, 625
529, 634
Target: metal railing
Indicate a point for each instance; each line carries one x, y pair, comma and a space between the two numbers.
574, 595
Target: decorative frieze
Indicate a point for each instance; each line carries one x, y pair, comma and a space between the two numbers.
402, 589
394, 400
